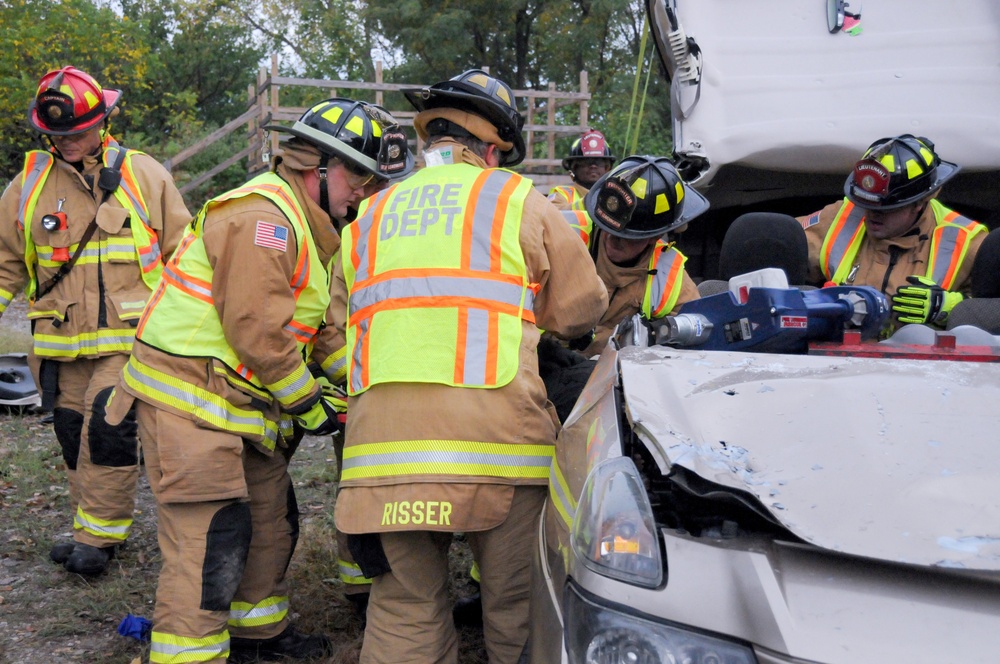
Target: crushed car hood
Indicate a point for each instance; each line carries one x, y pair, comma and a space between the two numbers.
884, 458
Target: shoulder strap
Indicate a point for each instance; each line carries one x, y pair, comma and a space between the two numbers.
108, 182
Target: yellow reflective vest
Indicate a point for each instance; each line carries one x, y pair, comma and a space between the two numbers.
581, 223
666, 268
184, 295
436, 280
665, 280
144, 246
568, 193
949, 243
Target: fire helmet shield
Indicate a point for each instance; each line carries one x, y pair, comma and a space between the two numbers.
643, 197
69, 101
895, 172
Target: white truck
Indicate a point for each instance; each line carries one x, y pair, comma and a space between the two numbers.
774, 100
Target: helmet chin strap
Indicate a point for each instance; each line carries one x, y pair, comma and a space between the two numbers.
324, 195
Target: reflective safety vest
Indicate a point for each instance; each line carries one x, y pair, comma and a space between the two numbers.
437, 283
569, 193
143, 245
666, 268
663, 285
181, 319
581, 223
949, 243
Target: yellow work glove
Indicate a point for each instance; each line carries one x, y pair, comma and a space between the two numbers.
327, 414
924, 302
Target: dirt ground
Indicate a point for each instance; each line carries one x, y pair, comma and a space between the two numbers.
49, 615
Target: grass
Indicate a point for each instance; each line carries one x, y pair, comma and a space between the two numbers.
14, 341
47, 614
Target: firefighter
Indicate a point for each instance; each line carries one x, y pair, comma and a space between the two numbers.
86, 228
891, 232
443, 280
329, 350
222, 390
633, 208
589, 158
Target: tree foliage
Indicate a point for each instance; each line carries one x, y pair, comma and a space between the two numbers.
185, 65
42, 35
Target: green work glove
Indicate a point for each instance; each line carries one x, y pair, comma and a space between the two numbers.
924, 302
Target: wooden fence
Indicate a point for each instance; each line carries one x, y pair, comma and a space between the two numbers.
542, 126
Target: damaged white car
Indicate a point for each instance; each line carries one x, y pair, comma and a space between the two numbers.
833, 500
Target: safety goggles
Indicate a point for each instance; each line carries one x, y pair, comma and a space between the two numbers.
357, 177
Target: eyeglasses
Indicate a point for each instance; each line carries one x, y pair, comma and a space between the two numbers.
357, 177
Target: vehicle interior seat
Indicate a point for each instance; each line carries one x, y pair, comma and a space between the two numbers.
983, 313
758, 240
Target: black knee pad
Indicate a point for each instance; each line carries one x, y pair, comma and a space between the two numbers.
292, 517
68, 425
227, 546
113, 446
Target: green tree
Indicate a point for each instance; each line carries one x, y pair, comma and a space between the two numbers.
40, 35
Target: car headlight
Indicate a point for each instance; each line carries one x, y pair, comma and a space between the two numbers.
614, 532
598, 634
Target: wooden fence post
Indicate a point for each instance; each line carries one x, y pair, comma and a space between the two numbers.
530, 147
551, 121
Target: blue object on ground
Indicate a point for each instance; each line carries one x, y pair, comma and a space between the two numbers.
135, 627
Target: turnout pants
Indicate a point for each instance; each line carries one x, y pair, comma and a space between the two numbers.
350, 574
227, 527
102, 461
409, 613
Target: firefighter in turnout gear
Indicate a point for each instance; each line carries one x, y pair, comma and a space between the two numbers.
588, 160
86, 228
890, 232
221, 404
633, 208
443, 282
329, 351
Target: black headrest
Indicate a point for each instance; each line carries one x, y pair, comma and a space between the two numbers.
986, 268
759, 240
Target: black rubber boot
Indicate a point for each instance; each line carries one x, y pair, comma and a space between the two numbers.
61, 550
359, 601
468, 611
89, 560
289, 643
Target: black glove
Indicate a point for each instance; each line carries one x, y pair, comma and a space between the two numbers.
581, 342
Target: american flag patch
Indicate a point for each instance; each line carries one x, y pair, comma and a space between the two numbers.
271, 236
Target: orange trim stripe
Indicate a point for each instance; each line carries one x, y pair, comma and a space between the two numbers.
439, 303
373, 235
153, 301
499, 216
492, 348
365, 352
954, 259
170, 279
461, 345
186, 242
305, 329
355, 236
470, 216
439, 272
133, 186
838, 226
301, 272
